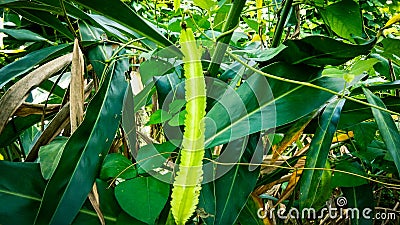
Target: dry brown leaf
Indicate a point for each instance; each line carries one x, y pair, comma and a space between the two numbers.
60, 121
76, 94
15, 95
94, 200
294, 178
292, 135
57, 124
27, 109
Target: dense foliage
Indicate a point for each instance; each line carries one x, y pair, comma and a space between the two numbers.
302, 111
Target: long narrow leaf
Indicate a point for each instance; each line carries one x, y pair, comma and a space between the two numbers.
22, 196
123, 14
79, 163
27, 62
15, 96
19, 196
258, 102
224, 191
387, 127
318, 153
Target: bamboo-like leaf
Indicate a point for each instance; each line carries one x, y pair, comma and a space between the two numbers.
237, 115
387, 127
76, 96
17, 194
123, 14
45, 19
57, 124
26, 63
249, 214
23, 35
79, 164
360, 198
14, 97
128, 120
187, 184
15, 127
318, 153
225, 204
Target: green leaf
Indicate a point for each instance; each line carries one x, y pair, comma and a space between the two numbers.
73, 178
125, 219
168, 83
20, 196
391, 46
378, 87
354, 113
56, 89
29, 5
153, 156
178, 119
128, 119
17, 194
142, 97
143, 198
324, 190
220, 197
176, 105
125, 16
117, 165
108, 203
28, 62
159, 116
360, 198
383, 66
153, 67
387, 127
257, 102
333, 72
205, 4
357, 69
23, 35
15, 127
362, 66
321, 51
346, 180
344, 18
249, 214
46, 19
252, 23
318, 153
364, 133
50, 155
264, 54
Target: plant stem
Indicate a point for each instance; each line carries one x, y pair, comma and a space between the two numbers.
309, 85
223, 41
70, 27
281, 23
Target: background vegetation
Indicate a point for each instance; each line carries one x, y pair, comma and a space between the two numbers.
92, 104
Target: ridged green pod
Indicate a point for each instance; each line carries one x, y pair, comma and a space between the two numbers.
187, 184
